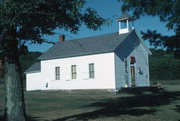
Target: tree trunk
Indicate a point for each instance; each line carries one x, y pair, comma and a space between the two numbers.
15, 107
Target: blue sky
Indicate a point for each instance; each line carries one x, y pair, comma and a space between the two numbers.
107, 9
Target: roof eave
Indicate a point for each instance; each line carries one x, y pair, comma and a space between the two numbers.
36, 71
76, 55
121, 19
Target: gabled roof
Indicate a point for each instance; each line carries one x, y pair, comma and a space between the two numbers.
36, 67
85, 46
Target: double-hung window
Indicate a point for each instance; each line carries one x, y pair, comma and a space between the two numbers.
73, 72
91, 70
57, 73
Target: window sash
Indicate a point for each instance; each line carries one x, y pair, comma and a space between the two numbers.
91, 70
57, 73
73, 72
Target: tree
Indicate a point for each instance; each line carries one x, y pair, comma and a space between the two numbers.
28, 59
23, 21
167, 10
163, 66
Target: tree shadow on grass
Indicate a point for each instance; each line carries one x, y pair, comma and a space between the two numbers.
2, 118
106, 113
136, 105
177, 108
28, 118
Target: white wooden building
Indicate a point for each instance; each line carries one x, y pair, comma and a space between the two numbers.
110, 61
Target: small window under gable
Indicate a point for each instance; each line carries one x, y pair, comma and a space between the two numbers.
132, 60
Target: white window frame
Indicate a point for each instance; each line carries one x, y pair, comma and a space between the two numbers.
73, 72
91, 71
57, 73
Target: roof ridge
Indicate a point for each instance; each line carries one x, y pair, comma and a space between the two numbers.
92, 36
82, 46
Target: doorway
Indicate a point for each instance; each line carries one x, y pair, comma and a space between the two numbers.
132, 68
133, 84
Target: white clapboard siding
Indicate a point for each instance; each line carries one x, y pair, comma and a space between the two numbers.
104, 73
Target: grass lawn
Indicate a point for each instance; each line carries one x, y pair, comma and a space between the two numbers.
101, 106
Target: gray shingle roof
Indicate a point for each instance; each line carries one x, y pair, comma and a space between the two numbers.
84, 46
79, 47
34, 68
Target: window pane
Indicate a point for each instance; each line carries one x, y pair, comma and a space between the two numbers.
89, 67
71, 68
91, 74
92, 67
74, 68
73, 75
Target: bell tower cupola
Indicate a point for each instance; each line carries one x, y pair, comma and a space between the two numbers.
126, 23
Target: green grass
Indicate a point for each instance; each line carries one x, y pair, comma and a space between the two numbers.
101, 106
